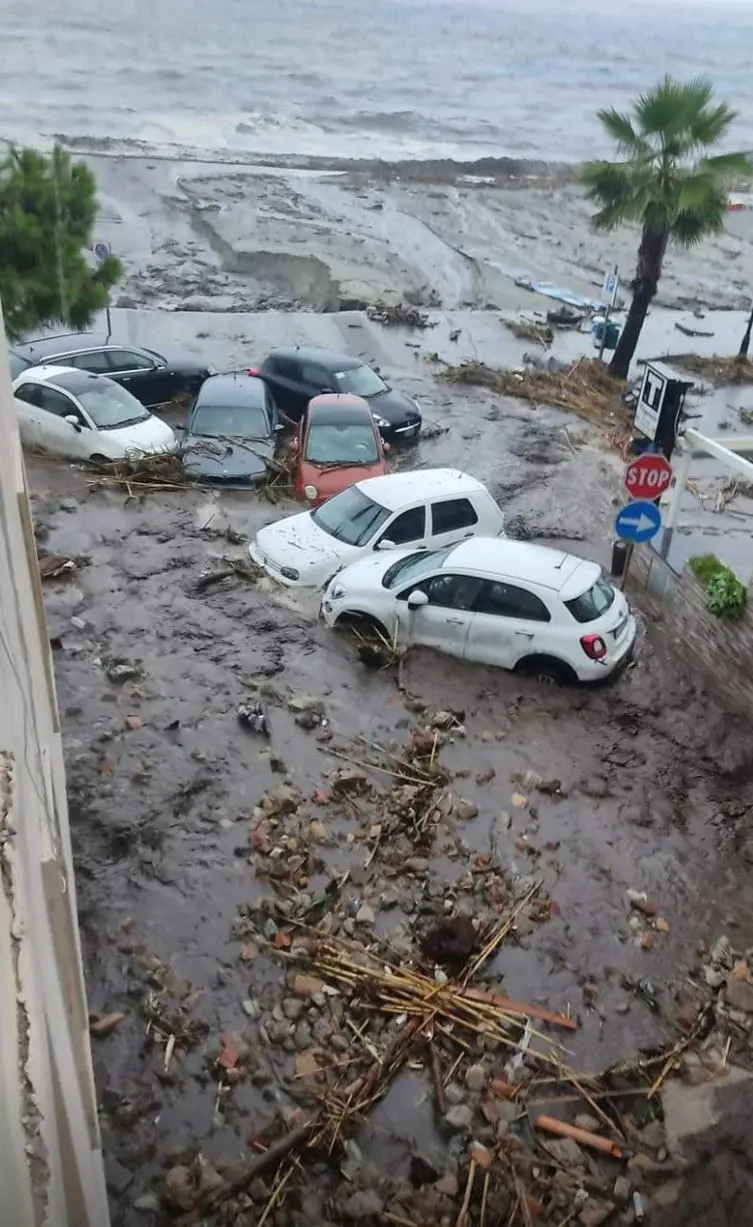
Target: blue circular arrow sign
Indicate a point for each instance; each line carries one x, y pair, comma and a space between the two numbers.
101, 251
638, 521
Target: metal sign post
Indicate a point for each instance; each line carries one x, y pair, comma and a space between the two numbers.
608, 297
102, 252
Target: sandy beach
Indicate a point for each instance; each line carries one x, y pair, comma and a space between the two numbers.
318, 235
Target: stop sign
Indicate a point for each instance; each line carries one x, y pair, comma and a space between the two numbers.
648, 476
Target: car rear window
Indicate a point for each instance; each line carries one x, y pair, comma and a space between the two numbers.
592, 604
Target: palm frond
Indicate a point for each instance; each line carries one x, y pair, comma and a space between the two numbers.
619, 127
692, 224
727, 165
611, 186
708, 126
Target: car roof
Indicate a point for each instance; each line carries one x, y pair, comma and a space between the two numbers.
499, 557
67, 343
331, 409
330, 358
68, 377
395, 490
229, 391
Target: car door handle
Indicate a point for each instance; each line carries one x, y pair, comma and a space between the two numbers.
525, 634
456, 621
467, 535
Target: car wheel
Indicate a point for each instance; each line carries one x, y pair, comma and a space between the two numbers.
364, 624
546, 670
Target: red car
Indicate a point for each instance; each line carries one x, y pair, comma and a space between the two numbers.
336, 444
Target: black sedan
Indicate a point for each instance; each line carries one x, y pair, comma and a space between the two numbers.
152, 377
231, 432
295, 375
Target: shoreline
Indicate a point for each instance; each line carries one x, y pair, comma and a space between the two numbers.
337, 235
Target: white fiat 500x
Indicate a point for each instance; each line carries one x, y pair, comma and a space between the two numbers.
528, 608
424, 509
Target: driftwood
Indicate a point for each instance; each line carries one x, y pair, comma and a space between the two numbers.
271, 1157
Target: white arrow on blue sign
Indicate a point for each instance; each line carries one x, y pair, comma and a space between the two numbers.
638, 521
101, 251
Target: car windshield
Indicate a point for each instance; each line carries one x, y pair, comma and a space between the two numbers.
236, 422
592, 604
414, 567
360, 381
350, 443
350, 516
110, 406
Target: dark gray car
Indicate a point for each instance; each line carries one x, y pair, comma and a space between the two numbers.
153, 378
231, 432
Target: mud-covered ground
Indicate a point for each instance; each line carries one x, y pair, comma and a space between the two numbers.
164, 783
328, 236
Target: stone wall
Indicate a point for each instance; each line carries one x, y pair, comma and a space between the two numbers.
721, 652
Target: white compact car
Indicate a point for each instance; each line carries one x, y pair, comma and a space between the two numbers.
524, 607
425, 509
85, 417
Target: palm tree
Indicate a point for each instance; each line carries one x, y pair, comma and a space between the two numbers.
665, 181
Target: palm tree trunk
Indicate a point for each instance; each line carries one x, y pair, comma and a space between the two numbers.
644, 287
745, 343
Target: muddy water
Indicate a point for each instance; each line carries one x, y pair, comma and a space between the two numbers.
656, 788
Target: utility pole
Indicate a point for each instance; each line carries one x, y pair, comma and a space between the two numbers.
51, 1170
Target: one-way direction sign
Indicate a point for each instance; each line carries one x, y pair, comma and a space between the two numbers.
638, 521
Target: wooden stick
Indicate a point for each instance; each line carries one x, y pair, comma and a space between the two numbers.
550, 1124
436, 1072
510, 1006
273, 1155
462, 1218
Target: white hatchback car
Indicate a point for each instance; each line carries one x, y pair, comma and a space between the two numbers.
424, 509
85, 417
535, 610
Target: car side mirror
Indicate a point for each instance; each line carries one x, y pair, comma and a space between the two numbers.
385, 544
387, 447
73, 421
279, 427
417, 599
294, 444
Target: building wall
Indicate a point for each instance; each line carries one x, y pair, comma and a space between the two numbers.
719, 653
51, 1170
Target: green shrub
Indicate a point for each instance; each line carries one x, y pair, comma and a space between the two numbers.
726, 595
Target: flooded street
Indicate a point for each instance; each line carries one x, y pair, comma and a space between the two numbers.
180, 874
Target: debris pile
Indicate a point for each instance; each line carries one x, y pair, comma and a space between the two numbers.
719, 370
399, 315
530, 330
166, 471
585, 388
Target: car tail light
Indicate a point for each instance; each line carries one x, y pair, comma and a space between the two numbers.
594, 646
252, 370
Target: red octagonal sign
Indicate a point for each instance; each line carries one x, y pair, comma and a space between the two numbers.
648, 476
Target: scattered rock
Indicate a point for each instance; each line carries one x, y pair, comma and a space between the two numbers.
621, 1191
448, 1185
466, 810
281, 800
594, 1213
147, 1204
589, 1123
362, 1205
459, 1118
481, 1156
739, 995
133, 723
104, 1024
475, 1077
307, 986
306, 1064
180, 1187
654, 1135
292, 1008
365, 915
